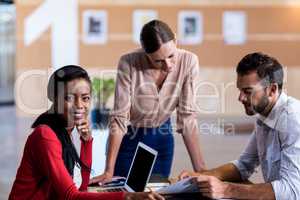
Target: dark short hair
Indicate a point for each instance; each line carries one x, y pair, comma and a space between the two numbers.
61, 77
154, 34
266, 67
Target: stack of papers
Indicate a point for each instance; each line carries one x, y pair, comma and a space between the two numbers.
183, 186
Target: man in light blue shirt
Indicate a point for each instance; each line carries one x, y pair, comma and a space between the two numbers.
275, 143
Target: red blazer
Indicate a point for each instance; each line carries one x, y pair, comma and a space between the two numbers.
42, 174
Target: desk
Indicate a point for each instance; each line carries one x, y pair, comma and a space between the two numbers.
186, 196
179, 196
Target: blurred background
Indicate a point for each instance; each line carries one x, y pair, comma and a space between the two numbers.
39, 36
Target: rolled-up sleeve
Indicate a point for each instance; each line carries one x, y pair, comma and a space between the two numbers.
120, 114
187, 106
248, 160
288, 185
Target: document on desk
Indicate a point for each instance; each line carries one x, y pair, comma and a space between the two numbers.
183, 186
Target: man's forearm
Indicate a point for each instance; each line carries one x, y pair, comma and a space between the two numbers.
227, 172
262, 191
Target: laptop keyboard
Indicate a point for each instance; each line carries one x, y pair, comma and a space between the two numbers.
115, 190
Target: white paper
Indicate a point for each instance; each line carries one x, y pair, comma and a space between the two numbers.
183, 186
155, 186
94, 26
190, 27
140, 18
234, 27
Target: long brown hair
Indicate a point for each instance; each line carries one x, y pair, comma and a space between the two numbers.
154, 34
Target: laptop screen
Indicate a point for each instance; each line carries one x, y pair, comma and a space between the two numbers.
140, 169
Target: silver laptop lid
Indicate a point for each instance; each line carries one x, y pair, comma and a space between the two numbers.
141, 168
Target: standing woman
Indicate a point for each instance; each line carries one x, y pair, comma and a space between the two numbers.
50, 163
151, 83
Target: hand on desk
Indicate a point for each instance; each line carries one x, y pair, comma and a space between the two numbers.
186, 174
101, 179
209, 186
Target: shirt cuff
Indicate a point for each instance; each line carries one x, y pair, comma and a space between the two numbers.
242, 169
278, 190
285, 189
116, 122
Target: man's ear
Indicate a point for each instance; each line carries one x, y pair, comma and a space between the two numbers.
273, 89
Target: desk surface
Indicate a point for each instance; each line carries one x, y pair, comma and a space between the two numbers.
186, 196
180, 196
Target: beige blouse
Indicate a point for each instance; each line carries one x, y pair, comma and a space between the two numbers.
138, 101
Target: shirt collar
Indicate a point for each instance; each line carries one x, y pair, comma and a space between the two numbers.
275, 113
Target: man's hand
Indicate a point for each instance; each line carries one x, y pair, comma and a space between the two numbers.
186, 174
211, 187
143, 196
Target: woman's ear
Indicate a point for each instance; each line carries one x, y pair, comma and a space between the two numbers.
175, 39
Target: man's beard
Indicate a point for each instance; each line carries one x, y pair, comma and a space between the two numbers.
262, 105
259, 108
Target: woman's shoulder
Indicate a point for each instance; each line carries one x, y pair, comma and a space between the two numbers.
134, 60
187, 55
43, 131
133, 55
187, 60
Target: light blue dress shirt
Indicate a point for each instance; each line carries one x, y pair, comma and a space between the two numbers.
275, 145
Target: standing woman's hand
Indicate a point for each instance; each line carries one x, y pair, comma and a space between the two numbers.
101, 179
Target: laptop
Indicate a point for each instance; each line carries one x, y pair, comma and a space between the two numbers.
139, 172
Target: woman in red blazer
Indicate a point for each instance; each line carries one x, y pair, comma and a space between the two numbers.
50, 163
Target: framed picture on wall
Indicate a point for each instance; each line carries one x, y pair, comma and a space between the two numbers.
234, 27
190, 27
94, 27
140, 18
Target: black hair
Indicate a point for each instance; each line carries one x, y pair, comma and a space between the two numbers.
61, 77
55, 120
267, 68
154, 34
